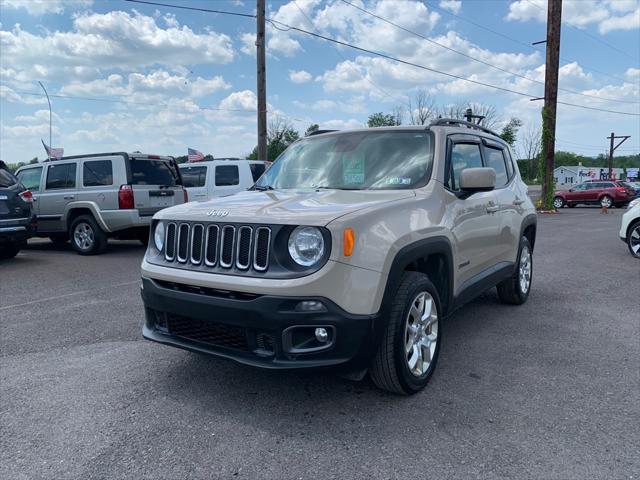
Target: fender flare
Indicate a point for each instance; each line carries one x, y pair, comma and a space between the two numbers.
92, 206
412, 252
530, 220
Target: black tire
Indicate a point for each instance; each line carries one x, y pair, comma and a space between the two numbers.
633, 237
390, 368
558, 202
9, 250
59, 238
606, 201
98, 240
510, 291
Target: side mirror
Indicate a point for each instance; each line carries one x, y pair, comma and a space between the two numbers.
474, 180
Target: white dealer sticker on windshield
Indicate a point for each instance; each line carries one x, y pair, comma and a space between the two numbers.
353, 169
398, 181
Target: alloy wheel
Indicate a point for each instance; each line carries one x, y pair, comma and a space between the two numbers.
606, 202
83, 236
558, 202
634, 241
421, 333
524, 270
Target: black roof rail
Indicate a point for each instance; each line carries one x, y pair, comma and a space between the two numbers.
318, 132
453, 122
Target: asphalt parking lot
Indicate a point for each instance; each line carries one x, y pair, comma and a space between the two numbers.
550, 389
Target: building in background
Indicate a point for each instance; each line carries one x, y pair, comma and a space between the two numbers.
573, 175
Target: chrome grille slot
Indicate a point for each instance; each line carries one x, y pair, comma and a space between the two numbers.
211, 252
261, 249
243, 250
227, 240
197, 243
183, 242
170, 242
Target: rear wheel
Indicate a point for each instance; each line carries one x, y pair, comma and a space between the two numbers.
633, 239
87, 238
408, 353
8, 250
606, 201
515, 290
558, 202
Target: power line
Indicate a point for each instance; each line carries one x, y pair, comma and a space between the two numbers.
477, 59
389, 57
514, 40
197, 9
613, 47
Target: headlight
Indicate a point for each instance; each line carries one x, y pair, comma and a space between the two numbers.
306, 246
158, 236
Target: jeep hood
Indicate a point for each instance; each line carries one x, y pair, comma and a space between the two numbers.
292, 207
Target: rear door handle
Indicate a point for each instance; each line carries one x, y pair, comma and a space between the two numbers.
493, 209
518, 201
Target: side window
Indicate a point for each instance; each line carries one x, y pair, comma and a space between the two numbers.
580, 187
97, 173
257, 169
495, 159
509, 162
463, 155
193, 176
61, 176
227, 175
30, 178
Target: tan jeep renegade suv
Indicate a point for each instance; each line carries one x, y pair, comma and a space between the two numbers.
348, 253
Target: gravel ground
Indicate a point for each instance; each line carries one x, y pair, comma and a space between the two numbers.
550, 389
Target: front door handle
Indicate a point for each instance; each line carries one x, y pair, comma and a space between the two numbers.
493, 209
69, 197
518, 201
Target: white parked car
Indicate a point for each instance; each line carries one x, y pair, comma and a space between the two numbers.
630, 228
217, 178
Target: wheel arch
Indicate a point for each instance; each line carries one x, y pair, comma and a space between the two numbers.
529, 229
431, 256
75, 209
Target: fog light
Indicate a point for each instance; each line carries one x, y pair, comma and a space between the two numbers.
322, 335
310, 306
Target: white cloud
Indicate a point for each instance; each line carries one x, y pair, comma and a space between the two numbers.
40, 7
243, 100
581, 13
38, 116
248, 41
633, 74
453, 6
341, 124
114, 40
300, 76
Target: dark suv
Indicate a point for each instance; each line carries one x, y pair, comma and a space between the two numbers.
606, 193
17, 222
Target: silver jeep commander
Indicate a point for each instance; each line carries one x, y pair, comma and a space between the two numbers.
348, 253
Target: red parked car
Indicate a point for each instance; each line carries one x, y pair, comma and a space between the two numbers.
607, 193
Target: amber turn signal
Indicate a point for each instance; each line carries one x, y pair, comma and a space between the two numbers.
349, 241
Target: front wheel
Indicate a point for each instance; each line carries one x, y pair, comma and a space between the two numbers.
9, 250
558, 202
87, 237
633, 239
408, 353
515, 289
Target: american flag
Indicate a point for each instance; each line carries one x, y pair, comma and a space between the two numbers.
56, 153
194, 155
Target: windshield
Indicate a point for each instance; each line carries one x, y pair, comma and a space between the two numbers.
354, 161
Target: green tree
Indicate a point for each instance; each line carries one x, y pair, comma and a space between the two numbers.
280, 134
510, 131
314, 127
380, 119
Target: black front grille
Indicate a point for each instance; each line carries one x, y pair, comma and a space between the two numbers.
228, 237
244, 247
170, 249
211, 255
183, 242
217, 334
197, 240
261, 250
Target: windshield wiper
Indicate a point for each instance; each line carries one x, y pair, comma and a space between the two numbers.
323, 187
262, 188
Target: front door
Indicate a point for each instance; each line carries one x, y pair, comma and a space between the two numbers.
59, 189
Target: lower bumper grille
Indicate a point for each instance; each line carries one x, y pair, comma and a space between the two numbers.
217, 334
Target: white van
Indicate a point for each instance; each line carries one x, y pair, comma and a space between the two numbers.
216, 178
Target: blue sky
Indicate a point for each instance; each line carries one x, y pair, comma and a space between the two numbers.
182, 78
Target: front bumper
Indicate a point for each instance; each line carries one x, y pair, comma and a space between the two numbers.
258, 330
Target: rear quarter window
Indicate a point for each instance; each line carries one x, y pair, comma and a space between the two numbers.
257, 169
227, 175
97, 173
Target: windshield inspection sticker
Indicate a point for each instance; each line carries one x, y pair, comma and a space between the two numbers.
398, 181
353, 169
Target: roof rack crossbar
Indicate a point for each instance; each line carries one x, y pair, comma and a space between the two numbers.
462, 123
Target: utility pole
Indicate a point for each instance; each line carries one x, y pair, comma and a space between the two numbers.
613, 148
554, 19
262, 82
49, 102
